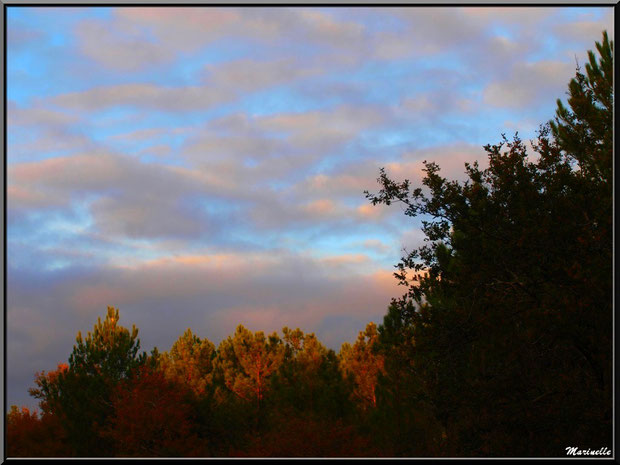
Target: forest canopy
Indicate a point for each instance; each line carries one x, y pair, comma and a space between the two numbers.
501, 346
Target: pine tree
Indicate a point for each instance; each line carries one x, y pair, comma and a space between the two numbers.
308, 381
512, 292
190, 362
79, 395
109, 351
584, 131
246, 362
363, 363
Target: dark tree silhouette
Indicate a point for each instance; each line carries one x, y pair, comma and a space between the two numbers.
500, 347
509, 302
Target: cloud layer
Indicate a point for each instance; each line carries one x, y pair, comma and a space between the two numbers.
205, 167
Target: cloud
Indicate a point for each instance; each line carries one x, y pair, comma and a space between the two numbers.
133, 39
147, 96
140, 135
205, 167
248, 75
180, 28
21, 198
321, 207
248, 152
451, 159
426, 31
349, 179
36, 131
377, 245
19, 35
223, 83
325, 128
235, 137
138, 38
323, 27
587, 30
127, 197
530, 83
33, 116
436, 105
210, 293
149, 216
40, 142
521, 16
65, 174
367, 211
119, 46
411, 239
159, 150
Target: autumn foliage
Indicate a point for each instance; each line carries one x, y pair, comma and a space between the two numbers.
197, 400
502, 345
30, 434
152, 417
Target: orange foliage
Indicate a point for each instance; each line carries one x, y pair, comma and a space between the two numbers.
247, 361
29, 435
364, 365
47, 382
189, 362
152, 418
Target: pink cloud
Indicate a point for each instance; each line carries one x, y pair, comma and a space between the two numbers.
344, 260
321, 207
179, 17
368, 211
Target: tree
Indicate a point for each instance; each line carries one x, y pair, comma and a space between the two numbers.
508, 308
363, 364
110, 351
48, 387
190, 362
306, 436
404, 422
32, 435
309, 381
247, 360
152, 417
583, 130
297, 379
79, 394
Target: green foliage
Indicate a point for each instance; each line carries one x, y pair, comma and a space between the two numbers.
109, 351
79, 394
309, 379
583, 130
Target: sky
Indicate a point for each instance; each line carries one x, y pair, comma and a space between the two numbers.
205, 167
